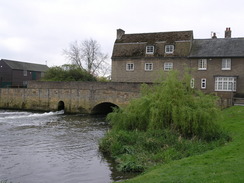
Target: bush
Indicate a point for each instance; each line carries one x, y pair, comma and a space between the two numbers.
67, 73
171, 104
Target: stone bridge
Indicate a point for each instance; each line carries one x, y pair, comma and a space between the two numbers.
72, 97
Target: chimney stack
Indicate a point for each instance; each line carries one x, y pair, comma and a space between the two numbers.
227, 32
120, 33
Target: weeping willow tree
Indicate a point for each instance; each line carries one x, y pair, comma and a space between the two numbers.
171, 104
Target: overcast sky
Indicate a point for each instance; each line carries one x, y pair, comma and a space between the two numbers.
38, 30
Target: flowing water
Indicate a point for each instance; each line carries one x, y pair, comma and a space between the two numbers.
53, 148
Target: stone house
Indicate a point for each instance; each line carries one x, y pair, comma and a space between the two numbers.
142, 57
217, 64
17, 74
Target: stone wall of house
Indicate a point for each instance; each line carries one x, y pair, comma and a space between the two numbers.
139, 74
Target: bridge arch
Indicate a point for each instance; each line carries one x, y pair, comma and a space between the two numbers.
61, 105
103, 108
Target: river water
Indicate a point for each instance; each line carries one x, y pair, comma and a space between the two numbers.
53, 148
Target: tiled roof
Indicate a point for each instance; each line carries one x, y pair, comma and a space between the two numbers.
25, 66
151, 38
220, 47
134, 45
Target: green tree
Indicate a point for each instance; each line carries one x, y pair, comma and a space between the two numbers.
67, 73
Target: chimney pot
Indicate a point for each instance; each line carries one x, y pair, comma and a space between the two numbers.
120, 33
228, 32
214, 36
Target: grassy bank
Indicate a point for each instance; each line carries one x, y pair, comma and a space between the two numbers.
222, 164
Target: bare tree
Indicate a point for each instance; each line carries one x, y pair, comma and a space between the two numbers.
87, 55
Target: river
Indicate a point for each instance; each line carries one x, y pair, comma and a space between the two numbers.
53, 148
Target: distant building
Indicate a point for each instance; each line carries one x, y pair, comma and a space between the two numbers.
217, 63
17, 74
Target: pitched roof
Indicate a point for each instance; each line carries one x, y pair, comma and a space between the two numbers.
151, 38
134, 45
25, 66
223, 47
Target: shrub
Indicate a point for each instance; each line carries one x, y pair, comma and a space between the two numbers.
67, 73
171, 104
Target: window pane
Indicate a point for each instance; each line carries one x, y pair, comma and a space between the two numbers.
168, 66
130, 67
203, 83
169, 48
225, 84
150, 49
226, 64
202, 64
148, 66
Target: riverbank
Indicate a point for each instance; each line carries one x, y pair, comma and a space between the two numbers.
223, 164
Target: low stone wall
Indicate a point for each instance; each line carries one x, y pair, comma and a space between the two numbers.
133, 87
78, 97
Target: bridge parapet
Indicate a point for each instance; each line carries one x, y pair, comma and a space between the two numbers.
118, 86
75, 97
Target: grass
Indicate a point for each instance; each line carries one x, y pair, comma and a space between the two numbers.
136, 151
222, 164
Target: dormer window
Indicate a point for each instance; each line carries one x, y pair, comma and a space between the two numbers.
169, 48
150, 50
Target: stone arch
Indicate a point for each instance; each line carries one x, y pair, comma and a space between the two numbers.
61, 105
103, 108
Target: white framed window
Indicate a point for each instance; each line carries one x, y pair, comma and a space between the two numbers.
130, 67
202, 64
169, 48
192, 83
25, 72
203, 83
148, 66
226, 64
149, 49
225, 83
168, 66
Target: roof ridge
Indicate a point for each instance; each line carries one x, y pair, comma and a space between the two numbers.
159, 32
21, 62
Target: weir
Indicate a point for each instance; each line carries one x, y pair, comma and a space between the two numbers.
72, 97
